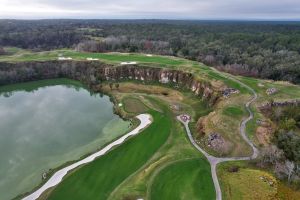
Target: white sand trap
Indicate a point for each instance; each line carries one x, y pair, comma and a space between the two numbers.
149, 55
92, 59
64, 58
58, 176
128, 63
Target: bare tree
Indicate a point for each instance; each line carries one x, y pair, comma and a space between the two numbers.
271, 155
290, 166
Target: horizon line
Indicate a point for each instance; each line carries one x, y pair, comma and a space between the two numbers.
161, 19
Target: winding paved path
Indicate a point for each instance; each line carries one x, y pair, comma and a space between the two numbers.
58, 176
214, 161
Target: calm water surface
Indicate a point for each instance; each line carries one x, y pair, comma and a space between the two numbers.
47, 123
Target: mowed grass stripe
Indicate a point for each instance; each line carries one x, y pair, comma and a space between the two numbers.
112, 57
188, 179
99, 178
116, 57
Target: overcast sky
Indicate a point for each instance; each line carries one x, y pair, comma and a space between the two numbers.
151, 9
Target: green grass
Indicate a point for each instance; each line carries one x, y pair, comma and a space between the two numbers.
110, 57
228, 82
177, 148
285, 91
245, 183
188, 179
252, 125
134, 105
99, 178
233, 111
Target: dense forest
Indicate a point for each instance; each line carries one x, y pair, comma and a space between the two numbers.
284, 154
262, 49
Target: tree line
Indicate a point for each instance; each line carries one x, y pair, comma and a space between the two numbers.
284, 152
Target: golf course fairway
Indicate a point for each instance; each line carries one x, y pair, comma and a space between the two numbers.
187, 179
99, 178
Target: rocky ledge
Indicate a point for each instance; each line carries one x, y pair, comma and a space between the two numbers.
93, 73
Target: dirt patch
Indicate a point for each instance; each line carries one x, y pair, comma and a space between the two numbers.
263, 135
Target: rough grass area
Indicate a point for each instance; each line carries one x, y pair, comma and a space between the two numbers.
251, 183
188, 179
246, 183
285, 90
252, 125
233, 111
134, 105
287, 193
225, 120
99, 178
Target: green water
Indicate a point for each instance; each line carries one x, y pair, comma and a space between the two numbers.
44, 124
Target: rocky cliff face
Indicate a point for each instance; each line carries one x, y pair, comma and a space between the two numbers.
93, 73
266, 107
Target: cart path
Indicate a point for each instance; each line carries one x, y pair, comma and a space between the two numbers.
57, 177
214, 161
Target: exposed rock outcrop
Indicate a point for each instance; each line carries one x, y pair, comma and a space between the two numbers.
97, 72
267, 106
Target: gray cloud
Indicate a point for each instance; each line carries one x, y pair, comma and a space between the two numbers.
182, 9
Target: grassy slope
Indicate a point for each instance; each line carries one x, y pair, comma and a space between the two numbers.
246, 183
285, 92
188, 179
98, 179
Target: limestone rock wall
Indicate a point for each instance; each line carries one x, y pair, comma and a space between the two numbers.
96, 72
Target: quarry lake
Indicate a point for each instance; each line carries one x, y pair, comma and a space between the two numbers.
44, 124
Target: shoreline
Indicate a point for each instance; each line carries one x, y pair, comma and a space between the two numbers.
57, 177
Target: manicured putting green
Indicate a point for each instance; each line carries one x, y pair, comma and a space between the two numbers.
188, 179
99, 178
